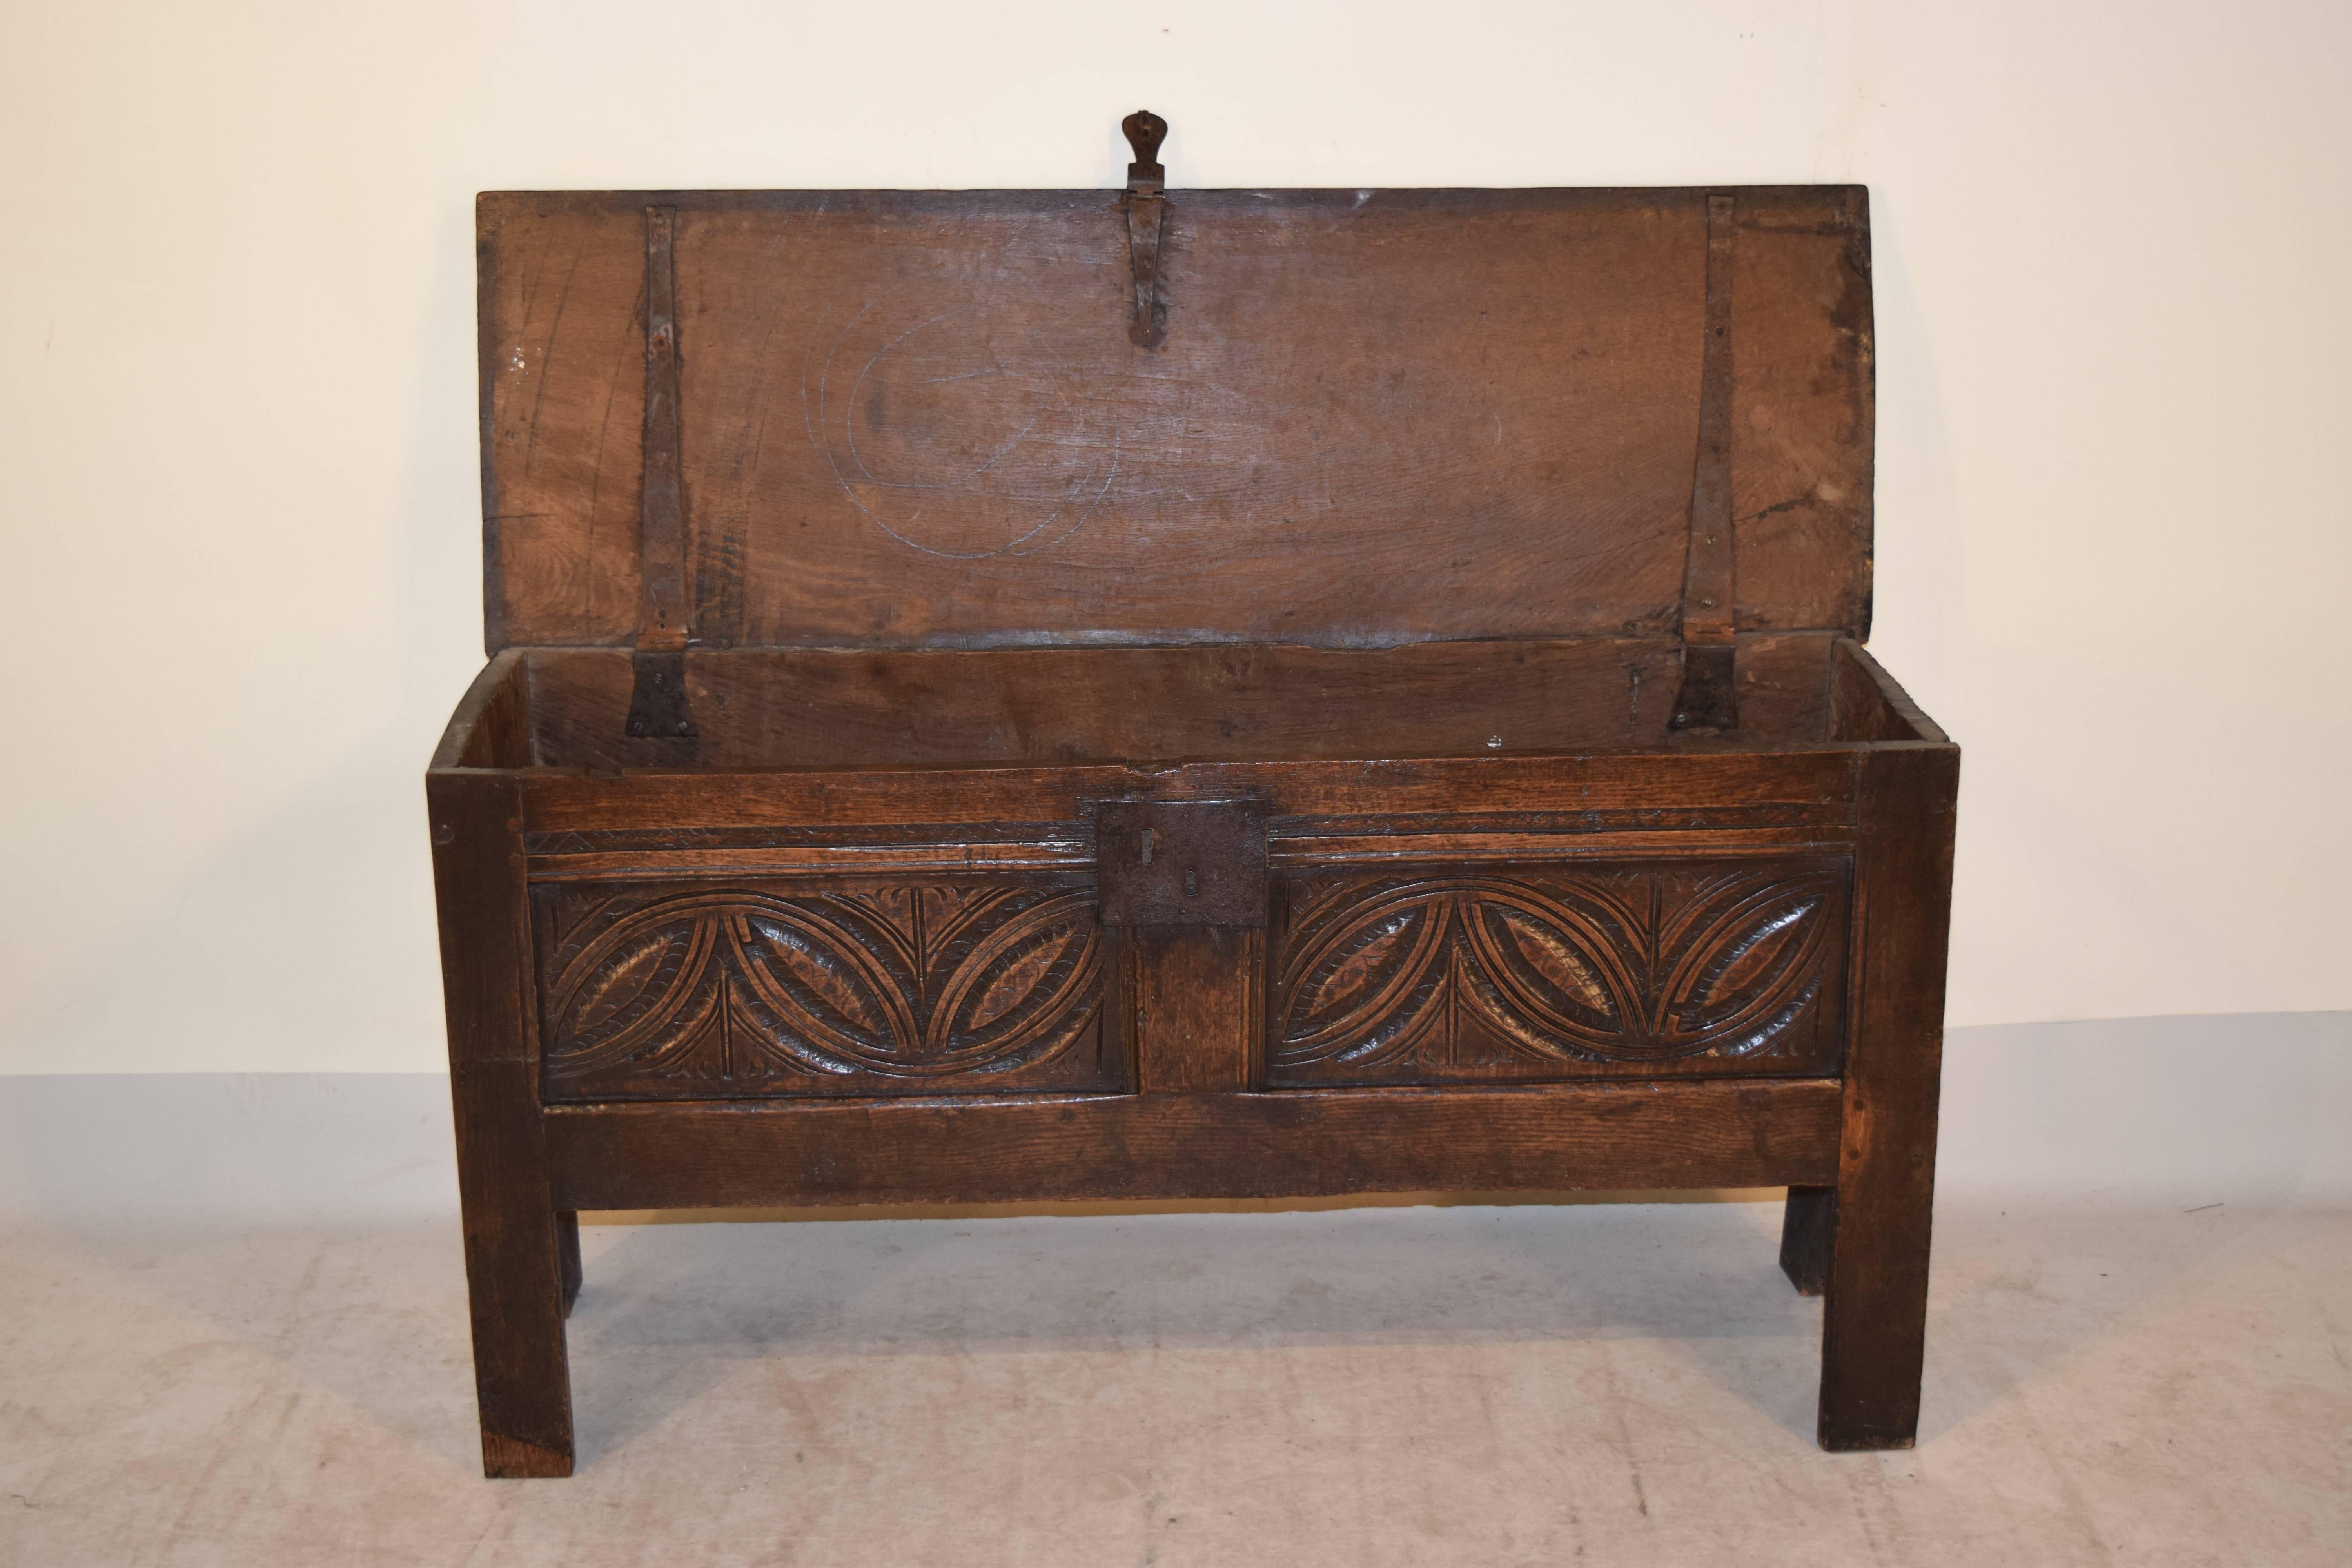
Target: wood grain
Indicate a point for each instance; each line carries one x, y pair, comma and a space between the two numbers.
562, 333
1867, 705
760, 709
1803, 409
1874, 1335
1196, 1006
1672, 788
916, 418
515, 1268
1300, 1144
492, 725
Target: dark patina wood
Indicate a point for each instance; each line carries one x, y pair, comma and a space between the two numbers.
1015, 696
916, 419
517, 1255
1199, 1140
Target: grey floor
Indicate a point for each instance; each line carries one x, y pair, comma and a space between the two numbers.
1611, 1383
238, 1336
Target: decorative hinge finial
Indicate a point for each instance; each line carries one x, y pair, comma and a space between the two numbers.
1145, 131
1146, 210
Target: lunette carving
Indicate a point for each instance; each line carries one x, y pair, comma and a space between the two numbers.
866, 989
1529, 973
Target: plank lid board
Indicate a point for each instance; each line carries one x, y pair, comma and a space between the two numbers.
922, 420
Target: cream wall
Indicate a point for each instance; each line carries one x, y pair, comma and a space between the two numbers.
237, 420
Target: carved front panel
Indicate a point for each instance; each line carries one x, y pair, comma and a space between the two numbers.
693, 990
1515, 973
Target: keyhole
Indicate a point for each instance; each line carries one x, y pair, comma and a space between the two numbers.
1147, 847
1191, 882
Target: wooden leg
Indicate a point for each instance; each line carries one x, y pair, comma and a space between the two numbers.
522, 1380
515, 1262
1806, 1226
1874, 1321
1875, 1324
567, 1257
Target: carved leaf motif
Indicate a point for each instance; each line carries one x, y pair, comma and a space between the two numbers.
839, 994
1754, 1040
698, 1017
1365, 963
709, 985
1371, 982
1750, 958
1550, 954
1020, 987
622, 998
1011, 985
1016, 979
620, 982
1561, 967
1745, 963
1422, 1017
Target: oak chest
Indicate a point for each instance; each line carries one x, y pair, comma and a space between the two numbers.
1021, 695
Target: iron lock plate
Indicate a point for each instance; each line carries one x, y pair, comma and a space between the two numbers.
1181, 863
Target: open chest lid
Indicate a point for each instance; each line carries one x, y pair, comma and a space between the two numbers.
933, 420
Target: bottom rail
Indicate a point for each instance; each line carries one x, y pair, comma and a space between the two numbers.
1704, 1133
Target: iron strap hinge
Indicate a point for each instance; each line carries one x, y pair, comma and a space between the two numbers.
1146, 212
658, 700
1709, 699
